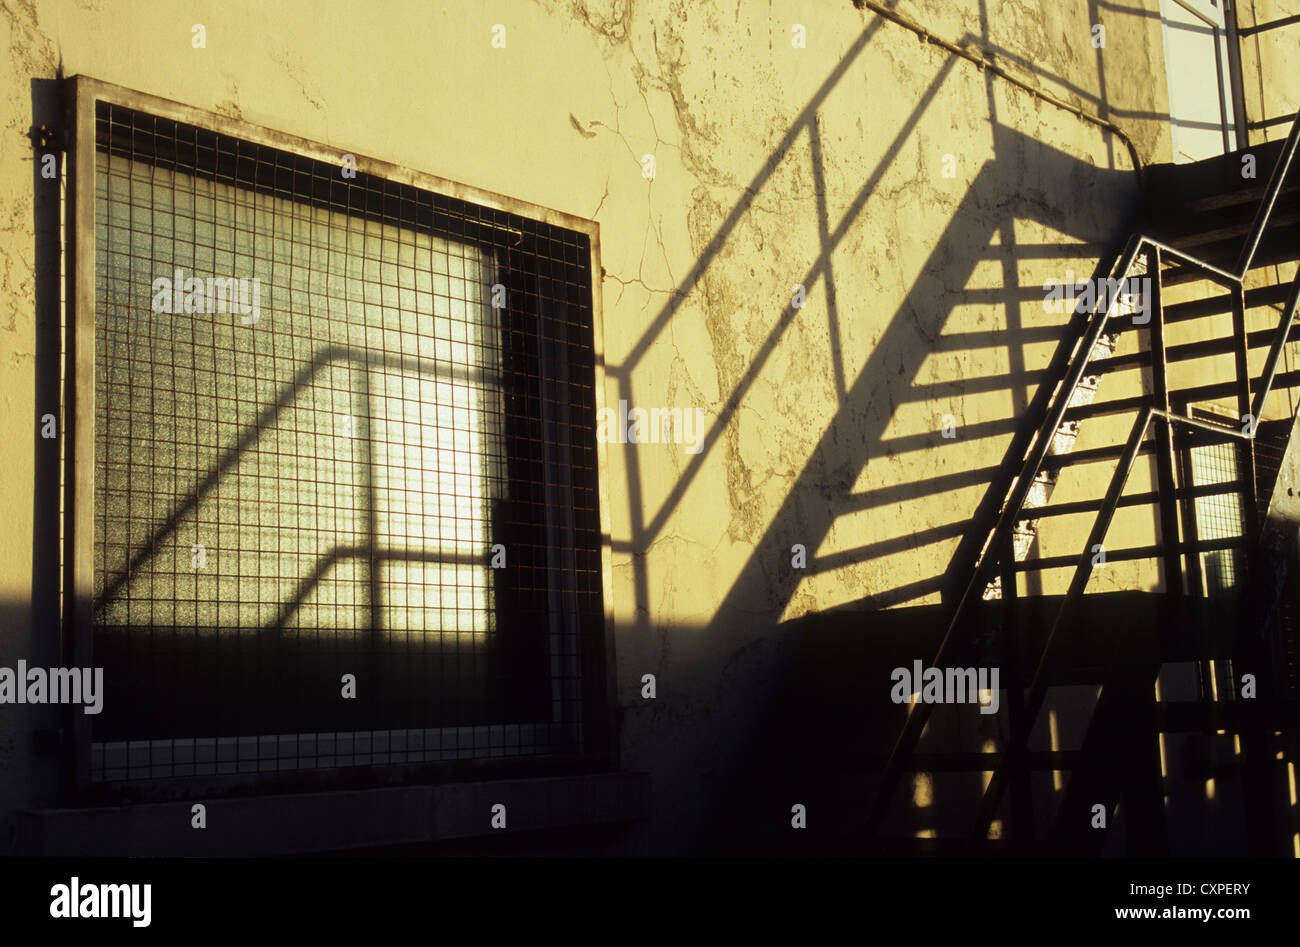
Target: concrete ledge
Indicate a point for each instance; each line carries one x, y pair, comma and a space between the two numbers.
305, 823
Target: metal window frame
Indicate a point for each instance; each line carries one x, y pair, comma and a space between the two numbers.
1222, 20
1235, 77
81, 96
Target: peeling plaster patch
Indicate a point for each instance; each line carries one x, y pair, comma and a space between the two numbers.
597, 211
296, 74
611, 19
573, 120
230, 108
32, 54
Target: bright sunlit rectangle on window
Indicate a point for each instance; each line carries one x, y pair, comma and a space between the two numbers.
326, 462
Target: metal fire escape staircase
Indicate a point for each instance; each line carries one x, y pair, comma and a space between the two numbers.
1226, 238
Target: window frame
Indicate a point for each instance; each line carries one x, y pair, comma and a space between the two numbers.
82, 96
1206, 10
1222, 22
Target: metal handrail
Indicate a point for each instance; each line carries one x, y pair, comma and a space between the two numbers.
1280, 170
1038, 449
1219, 274
1275, 351
1078, 582
1037, 452
1083, 571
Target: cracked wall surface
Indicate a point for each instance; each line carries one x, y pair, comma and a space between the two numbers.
918, 201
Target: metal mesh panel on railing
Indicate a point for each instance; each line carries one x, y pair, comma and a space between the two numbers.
345, 474
1218, 517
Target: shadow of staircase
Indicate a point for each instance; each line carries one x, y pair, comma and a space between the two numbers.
1206, 240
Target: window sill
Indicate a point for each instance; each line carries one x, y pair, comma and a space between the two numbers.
316, 823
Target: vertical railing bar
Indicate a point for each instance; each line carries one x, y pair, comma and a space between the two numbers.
1082, 573
1235, 77
1167, 491
1022, 809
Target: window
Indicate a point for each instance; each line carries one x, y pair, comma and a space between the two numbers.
1199, 67
343, 495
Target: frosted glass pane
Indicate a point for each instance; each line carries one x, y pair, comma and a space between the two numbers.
254, 456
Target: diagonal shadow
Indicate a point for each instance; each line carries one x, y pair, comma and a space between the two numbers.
894, 361
766, 583
643, 532
266, 419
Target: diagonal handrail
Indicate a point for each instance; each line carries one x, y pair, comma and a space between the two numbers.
1039, 447
1280, 170
1083, 571
1269, 372
1036, 454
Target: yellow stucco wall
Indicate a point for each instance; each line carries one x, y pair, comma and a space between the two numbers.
824, 421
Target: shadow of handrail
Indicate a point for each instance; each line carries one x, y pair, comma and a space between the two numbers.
1271, 25
373, 554
365, 359
646, 526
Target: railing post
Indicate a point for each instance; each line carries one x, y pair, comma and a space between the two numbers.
1164, 434
1017, 748
1036, 451
1241, 358
1066, 613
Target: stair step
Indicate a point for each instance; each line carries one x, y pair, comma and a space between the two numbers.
1190, 237
1200, 716
1237, 210
1124, 555
1250, 195
1195, 716
1278, 246
1209, 183
1189, 351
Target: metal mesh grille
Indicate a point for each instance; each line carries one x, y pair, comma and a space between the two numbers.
344, 445
1218, 517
